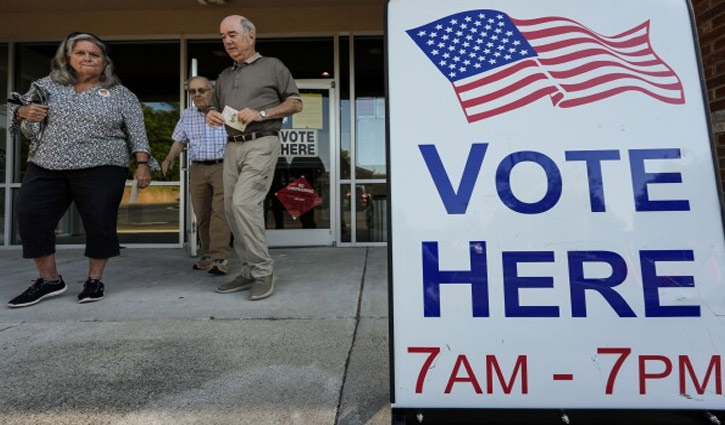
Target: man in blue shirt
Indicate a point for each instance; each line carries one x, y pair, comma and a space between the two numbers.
206, 146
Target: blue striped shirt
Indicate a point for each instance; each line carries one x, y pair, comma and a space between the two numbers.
204, 143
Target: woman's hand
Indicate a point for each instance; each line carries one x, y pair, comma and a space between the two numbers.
34, 112
142, 176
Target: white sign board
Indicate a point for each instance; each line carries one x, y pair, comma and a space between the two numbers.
299, 142
557, 238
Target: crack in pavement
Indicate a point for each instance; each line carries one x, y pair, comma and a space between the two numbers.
9, 327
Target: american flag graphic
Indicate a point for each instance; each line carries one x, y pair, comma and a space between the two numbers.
497, 64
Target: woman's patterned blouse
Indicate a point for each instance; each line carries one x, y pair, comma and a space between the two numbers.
82, 130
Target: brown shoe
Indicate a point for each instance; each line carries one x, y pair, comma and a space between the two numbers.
204, 263
262, 288
219, 267
240, 283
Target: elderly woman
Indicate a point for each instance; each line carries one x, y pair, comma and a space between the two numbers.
81, 138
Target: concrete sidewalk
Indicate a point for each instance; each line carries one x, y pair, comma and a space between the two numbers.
164, 348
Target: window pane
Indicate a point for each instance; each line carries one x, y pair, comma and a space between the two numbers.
369, 67
369, 108
13, 231
152, 218
345, 139
151, 71
371, 206
305, 57
370, 138
371, 211
154, 77
345, 213
2, 216
160, 119
32, 61
3, 108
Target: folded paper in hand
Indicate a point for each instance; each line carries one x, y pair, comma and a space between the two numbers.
231, 119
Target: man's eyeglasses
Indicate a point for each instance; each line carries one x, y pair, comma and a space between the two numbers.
202, 92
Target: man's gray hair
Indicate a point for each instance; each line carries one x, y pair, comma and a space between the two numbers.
247, 25
62, 73
209, 84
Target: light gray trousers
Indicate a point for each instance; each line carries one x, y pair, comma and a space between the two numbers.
248, 171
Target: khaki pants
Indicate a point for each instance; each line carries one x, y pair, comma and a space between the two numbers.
248, 171
207, 198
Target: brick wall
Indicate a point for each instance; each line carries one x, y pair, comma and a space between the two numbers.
710, 18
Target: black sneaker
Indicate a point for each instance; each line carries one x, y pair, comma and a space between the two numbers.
37, 291
92, 291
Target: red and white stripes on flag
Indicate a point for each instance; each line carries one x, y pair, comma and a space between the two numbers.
574, 66
503, 89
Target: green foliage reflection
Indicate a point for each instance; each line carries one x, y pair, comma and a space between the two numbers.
160, 120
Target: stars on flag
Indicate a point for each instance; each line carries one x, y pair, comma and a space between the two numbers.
463, 37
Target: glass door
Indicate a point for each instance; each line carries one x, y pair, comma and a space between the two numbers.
301, 205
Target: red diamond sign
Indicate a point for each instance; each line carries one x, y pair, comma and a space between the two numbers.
298, 197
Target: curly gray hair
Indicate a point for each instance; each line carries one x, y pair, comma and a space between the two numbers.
62, 73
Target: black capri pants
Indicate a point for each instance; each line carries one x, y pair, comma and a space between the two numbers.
46, 195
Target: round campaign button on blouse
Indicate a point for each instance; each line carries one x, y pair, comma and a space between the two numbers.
104, 93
